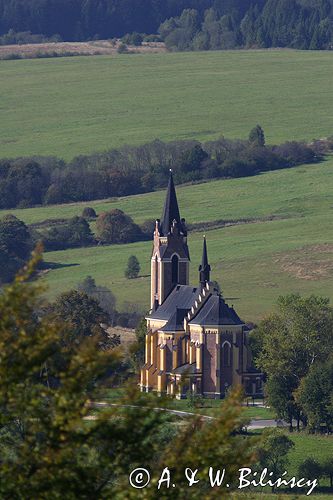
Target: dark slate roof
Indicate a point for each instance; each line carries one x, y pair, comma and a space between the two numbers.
171, 210
204, 268
251, 371
187, 368
181, 297
216, 312
163, 249
176, 322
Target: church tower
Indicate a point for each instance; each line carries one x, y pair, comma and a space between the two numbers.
170, 258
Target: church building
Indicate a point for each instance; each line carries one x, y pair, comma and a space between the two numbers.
195, 341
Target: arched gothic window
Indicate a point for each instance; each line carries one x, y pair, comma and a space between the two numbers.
226, 352
175, 269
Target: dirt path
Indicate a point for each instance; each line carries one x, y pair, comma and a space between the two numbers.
254, 424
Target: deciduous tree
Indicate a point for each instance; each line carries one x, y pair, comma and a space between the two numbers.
15, 246
116, 227
315, 395
273, 452
105, 298
84, 318
257, 136
292, 340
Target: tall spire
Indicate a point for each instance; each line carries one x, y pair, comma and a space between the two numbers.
171, 210
204, 269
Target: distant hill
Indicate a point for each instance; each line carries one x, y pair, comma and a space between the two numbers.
186, 24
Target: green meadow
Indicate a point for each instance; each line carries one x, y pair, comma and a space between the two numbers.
79, 105
254, 263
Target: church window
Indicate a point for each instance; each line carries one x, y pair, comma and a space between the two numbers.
156, 275
226, 349
175, 270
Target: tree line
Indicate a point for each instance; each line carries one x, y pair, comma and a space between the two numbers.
87, 19
27, 182
112, 227
299, 24
183, 24
17, 239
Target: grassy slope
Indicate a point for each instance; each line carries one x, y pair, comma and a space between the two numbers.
254, 263
317, 447
84, 104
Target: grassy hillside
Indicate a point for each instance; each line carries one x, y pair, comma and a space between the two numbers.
80, 105
254, 263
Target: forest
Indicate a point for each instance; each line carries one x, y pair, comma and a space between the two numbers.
182, 24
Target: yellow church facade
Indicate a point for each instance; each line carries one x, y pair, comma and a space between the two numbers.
195, 342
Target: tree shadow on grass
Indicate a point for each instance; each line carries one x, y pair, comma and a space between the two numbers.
56, 265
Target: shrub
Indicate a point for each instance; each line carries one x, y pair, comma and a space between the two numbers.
133, 267
11, 56
273, 451
147, 228
310, 469
151, 38
295, 153
122, 49
237, 168
73, 234
89, 213
24, 37
104, 296
257, 136
116, 227
327, 470
133, 39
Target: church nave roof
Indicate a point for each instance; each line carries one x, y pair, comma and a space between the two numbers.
182, 297
216, 312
